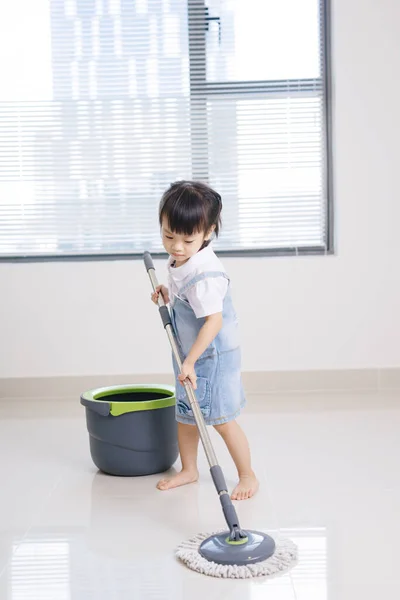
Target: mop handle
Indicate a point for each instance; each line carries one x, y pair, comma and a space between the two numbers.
217, 475
191, 396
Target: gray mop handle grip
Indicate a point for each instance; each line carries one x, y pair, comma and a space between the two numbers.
218, 479
148, 261
229, 510
164, 312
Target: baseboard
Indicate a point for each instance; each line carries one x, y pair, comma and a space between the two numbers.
255, 383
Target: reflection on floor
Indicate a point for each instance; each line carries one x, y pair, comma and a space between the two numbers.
329, 473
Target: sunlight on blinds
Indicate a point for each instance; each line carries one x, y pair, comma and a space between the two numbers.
104, 103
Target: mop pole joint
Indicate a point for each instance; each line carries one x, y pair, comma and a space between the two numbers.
231, 518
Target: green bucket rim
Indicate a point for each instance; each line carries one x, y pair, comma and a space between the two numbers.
99, 395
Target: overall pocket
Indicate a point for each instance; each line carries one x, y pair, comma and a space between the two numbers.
203, 395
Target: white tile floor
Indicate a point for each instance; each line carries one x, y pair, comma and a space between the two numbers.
329, 467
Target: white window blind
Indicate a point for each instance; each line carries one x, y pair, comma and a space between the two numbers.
104, 103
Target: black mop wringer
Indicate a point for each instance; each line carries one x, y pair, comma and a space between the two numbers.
235, 553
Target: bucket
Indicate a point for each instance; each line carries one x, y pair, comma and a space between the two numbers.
132, 428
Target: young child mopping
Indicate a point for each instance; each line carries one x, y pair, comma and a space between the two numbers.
205, 322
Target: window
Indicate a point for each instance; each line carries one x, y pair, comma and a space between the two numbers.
104, 103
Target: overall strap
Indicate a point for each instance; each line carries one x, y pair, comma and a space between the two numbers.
201, 277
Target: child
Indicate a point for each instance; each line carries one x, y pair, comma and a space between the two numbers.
206, 326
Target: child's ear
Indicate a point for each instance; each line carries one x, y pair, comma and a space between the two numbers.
210, 232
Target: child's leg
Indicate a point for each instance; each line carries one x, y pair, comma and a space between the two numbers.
238, 447
188, 439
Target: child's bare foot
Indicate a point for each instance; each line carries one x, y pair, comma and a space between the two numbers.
182, 478
246, 488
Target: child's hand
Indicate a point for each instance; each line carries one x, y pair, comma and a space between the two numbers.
188, 372
164, 293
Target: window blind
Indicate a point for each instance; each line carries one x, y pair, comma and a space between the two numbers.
104, 103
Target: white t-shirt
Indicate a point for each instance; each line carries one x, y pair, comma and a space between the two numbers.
206, 297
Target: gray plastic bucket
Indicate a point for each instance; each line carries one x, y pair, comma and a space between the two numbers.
132, 428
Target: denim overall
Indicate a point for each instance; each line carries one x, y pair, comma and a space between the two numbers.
219, 384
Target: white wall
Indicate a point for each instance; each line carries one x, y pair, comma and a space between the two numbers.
303, 313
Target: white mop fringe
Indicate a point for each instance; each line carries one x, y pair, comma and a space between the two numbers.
283, 559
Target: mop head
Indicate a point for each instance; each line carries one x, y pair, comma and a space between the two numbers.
283, 559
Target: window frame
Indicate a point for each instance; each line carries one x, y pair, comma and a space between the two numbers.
202, 90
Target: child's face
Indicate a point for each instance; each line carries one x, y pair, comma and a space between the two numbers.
181, 247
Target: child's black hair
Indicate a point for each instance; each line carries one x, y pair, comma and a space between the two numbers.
191, 207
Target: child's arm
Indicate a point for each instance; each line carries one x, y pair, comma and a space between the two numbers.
207, 333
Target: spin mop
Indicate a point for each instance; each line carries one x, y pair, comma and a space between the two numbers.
236, 553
